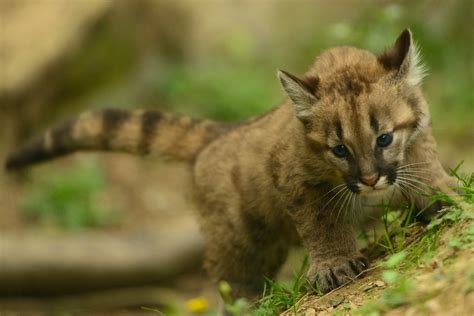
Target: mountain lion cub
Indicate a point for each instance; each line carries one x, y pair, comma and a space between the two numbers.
355, 132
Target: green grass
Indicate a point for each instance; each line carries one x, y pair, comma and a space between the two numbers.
277, 296
281, 296
68, 199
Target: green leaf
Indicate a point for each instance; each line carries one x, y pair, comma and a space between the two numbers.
395, 260
390, 276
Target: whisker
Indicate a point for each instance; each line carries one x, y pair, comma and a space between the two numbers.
354, 198
413, 167
414, 170
407, 188
352, 210
346, 205
354, 213
412, 186
336, 187
339, 200
413, 180
417, 171
404, 191
334, 196
415, 164
416, 176
343, 205
407, 182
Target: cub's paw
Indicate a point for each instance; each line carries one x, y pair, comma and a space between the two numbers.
426, 211
329, 274
426, 208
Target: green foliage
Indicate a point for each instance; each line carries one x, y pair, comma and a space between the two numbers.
444, 51
399, 292
68, 199
240, 306
239, 80
469, 287
217, 90
277, 297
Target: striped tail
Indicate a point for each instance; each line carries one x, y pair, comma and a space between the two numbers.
140, 132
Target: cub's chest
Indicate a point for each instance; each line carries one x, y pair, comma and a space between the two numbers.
373, 205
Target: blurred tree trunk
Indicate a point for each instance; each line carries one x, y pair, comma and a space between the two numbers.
55, 53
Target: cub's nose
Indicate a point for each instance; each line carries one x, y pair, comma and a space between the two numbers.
370, 180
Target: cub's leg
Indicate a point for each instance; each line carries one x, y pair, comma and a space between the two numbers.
242, 250
331, 245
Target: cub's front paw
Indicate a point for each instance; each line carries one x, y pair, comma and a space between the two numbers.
329, 274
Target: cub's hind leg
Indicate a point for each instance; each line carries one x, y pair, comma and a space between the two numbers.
243, 250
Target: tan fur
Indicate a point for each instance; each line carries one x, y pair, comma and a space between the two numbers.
276, 179
88, 125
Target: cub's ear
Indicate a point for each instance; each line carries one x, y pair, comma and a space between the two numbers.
404, 58
301, 91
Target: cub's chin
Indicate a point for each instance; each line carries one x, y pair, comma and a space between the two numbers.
372, 201
371, 191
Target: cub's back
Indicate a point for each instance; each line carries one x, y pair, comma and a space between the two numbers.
238, 160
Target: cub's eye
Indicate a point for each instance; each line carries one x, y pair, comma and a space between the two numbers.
384, 140
340, 151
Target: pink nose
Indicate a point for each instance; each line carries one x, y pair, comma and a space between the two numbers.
370, 180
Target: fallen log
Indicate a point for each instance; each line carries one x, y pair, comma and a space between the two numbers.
53, 264
132, 300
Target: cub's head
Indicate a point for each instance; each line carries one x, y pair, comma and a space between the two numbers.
362, 111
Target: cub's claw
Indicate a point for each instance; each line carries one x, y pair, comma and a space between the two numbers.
328, 275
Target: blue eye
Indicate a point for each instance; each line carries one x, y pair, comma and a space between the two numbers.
384, 140
340, 151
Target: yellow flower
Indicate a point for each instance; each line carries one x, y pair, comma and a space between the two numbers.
197, 305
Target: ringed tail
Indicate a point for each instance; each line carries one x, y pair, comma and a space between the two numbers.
139, 132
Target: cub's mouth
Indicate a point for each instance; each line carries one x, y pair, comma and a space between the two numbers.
381, 185
369, 186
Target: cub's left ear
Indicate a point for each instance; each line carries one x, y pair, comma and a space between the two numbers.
404, 58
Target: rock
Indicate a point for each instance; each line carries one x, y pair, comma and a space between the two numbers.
336, 301
379, 283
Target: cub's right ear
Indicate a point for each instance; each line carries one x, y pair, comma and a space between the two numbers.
301, 92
